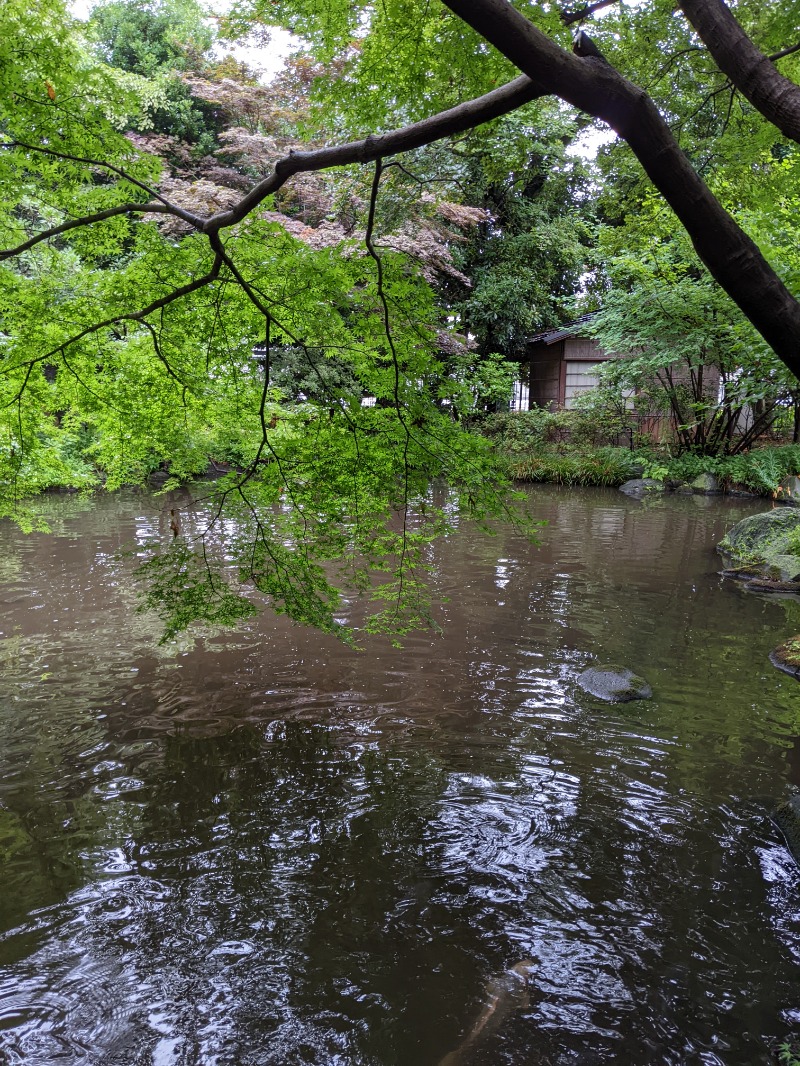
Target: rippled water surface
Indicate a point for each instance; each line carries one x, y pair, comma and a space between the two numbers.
264, 848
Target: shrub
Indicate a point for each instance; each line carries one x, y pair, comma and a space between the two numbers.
602, 467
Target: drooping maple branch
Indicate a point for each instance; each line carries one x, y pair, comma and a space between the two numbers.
160, 354
594, 86
85, 220
130, 316
752, 72
40, 149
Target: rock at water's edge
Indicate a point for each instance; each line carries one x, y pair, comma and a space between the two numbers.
615, 684
789, 491
706, 485
765, 539
787, 657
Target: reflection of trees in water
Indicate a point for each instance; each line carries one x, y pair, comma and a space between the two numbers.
312, 854
261, 897
347, 889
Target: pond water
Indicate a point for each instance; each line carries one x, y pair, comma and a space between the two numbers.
262, 847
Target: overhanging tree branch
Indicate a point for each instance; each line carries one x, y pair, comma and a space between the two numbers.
595, 87
39, 149
456, 120
448, 123
131, 316
784, 52
581, 13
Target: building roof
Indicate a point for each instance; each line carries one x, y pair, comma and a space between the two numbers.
550, 336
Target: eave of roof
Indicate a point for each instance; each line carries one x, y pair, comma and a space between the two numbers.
550, 336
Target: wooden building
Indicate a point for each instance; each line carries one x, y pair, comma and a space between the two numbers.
561, 364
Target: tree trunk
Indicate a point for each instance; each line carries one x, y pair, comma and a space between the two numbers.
753, 73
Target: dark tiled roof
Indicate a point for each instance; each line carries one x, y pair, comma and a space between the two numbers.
550, 336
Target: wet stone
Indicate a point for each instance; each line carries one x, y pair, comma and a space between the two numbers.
642, 486
615, 684
787, 657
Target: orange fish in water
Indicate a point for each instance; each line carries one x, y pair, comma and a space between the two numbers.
505, 995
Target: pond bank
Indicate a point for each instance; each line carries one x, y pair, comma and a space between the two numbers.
533, 454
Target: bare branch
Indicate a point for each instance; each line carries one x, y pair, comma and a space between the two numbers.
387, 329
782, 54
568, 17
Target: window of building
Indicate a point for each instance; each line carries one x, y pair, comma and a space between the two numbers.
580, 377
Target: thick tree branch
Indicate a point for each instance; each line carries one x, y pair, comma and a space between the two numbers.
446, 124
752, 72
456, 120
593, 86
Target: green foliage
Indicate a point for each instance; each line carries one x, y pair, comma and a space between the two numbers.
475, 384
157, 41
562, 446
684, 351
789, 1053
526, 258
330, 502
605, 467
182, 588
760, 470
125, 342
150, 38
585, 425
793, 548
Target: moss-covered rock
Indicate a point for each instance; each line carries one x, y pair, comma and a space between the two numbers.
787, 657
643, 486
766, 541
706, 485
615, 684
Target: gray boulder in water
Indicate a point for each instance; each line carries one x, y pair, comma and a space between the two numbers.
643, 486
766, 542
615, 684
787, 819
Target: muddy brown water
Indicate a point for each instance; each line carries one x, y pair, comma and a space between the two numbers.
263, 848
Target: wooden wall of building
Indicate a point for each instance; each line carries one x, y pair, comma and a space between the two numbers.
547, 365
